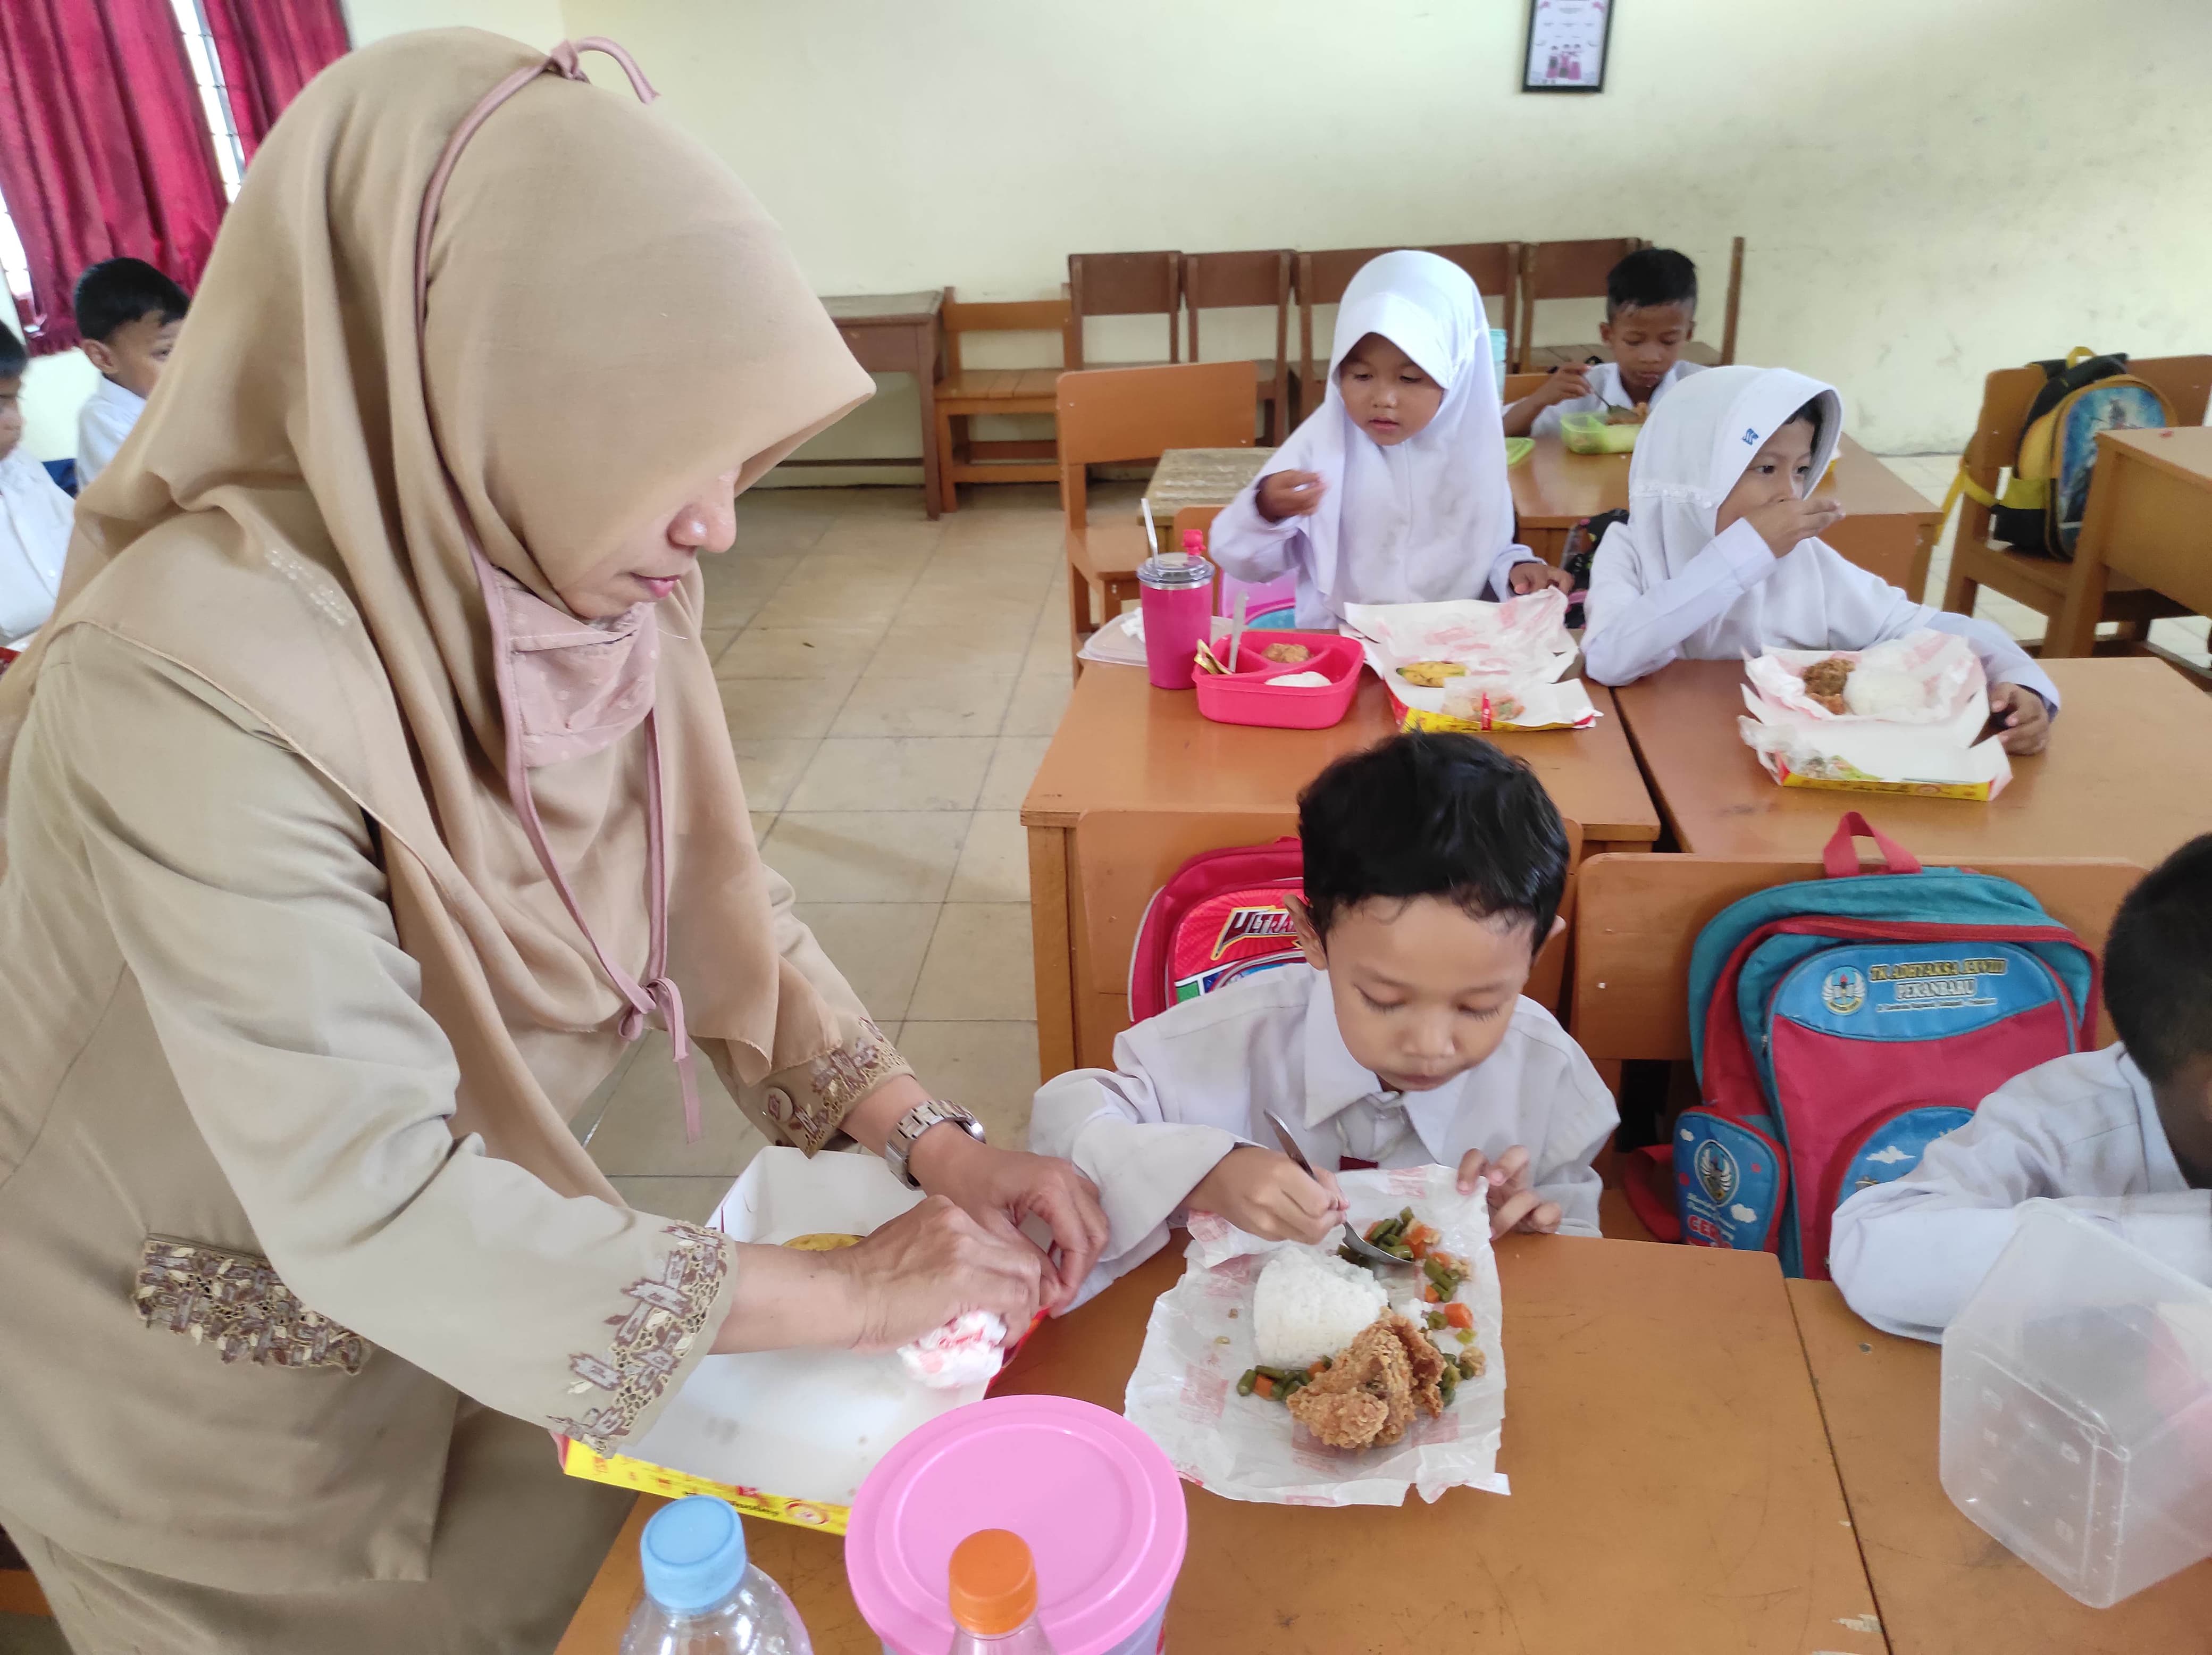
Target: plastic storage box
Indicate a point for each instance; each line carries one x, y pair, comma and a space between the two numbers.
2077, 1408
1246, 696
1593, 433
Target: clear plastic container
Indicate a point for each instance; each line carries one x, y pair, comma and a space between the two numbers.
1594, 433
702, 1596
2077, 1408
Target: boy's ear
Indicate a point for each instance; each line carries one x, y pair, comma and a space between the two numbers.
1302, 926
1605, 332
97, 353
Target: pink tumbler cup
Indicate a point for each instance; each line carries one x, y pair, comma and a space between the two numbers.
1177, 601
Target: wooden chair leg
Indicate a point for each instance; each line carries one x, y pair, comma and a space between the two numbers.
948, 455
1960, 588
1079, 616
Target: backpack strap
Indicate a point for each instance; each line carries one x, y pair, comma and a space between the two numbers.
1841, 858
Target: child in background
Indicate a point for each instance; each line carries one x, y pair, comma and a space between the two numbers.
128, 314
34, 513
1394, 490
2122, 1135
1434, 866
1720, 555
1650, 311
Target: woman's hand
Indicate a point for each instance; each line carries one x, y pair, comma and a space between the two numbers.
1782, 523
1289, 494
1514, 1202
1010, 1185
934, 1263
1525, 577
2024, 723
1269, 1195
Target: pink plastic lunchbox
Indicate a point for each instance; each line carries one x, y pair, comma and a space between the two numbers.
1245, 695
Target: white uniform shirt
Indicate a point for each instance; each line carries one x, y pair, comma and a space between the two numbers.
104, 420
34, 533
1190, 1085
1258, 551
1605, 392
2081, 1129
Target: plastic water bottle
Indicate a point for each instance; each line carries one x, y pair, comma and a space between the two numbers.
702, 1596
993, 1596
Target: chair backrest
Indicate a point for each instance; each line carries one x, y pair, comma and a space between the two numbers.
1123, 284
1239, 281
1322, 277
1638, 918
2007, 395
1116, 414
1565, 269
1515, 386
1017, 316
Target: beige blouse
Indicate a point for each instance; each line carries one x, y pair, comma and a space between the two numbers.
245, 1264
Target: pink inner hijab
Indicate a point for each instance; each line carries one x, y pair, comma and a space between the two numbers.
568, 688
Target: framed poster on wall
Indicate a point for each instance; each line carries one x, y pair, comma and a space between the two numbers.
1566, 46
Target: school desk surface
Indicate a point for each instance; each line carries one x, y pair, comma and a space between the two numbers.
1944, 1587
1137, 781
2128, 773
1673, 1490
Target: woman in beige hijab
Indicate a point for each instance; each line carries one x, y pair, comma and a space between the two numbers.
370, 789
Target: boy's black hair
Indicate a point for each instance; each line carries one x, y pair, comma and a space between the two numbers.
2158, 964
1811, 413
13, 357
116, 291
1648, 276
1433, 815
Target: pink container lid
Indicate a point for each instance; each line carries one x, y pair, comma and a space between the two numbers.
1098, 1501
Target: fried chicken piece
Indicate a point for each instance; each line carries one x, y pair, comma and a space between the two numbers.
1824, 682
1366, 1396
1288, 653
1350, 1419
1424, 1361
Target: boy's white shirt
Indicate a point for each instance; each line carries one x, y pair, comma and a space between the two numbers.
1665, 587
1188, 1086
1417, 521
2082, 1130
35, 516
1605, 392
104, 420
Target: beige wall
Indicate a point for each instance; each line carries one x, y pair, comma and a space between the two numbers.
1928, 190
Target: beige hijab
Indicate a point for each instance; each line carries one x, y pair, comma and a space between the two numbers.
609, 319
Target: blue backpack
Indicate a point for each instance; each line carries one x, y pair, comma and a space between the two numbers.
1840, 1025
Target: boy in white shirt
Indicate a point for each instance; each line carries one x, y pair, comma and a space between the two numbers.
128, 314
34, 515
1650, 312
1434, 866
2124, 1136
1721, 557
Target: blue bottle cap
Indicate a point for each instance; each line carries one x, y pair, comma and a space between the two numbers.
693, 1554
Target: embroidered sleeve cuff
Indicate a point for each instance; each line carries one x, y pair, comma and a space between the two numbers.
805, 1105
657, 1341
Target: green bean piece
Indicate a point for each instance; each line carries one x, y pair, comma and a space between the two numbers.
1245, 1385
1468, 1368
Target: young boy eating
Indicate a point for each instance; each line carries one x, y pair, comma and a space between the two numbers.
1650, 311
2124, 1136
128, 315
34, 515
1434, 866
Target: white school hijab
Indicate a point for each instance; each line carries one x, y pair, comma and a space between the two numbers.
1425, 517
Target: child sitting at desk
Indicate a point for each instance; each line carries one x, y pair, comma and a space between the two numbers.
1720, 555
1650, 311
128, 315
1434, 866
35, 515
2122, 1135
1394, 490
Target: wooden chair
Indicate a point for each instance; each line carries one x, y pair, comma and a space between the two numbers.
19, 1587
2051, 588
1122, 284
1119, 414
1515, 386
1577, 270
1323, 277
1249, 281
964, 393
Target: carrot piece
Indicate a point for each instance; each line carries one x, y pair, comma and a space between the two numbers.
1263, 1386
1429, 1293
1457, 1315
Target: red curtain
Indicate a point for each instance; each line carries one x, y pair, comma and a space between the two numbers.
270, 49
103, 148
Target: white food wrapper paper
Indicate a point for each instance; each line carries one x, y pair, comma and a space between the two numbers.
1183, 1391
1514, 653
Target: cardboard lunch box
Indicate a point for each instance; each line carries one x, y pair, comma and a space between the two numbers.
787, 1435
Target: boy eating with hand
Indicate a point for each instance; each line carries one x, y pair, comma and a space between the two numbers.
1650, 312
1434, 866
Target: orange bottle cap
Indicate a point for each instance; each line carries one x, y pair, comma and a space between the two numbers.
994, 1589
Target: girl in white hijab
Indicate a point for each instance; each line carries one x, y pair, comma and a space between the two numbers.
1720, 555
1394, 490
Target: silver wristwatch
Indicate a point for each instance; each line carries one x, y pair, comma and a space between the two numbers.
917, 1121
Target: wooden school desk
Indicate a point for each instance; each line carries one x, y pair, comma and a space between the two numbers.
1136, 783
1944, 1587
2128, 774
2150, 518
1891, 528
896, 333
1673, 1490
1199, 477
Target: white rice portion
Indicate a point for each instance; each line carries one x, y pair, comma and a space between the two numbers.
1309, 1305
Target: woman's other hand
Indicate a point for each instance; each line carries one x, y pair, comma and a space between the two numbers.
934, 1262
1011, 1185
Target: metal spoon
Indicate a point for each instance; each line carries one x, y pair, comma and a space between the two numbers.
1358, 1243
